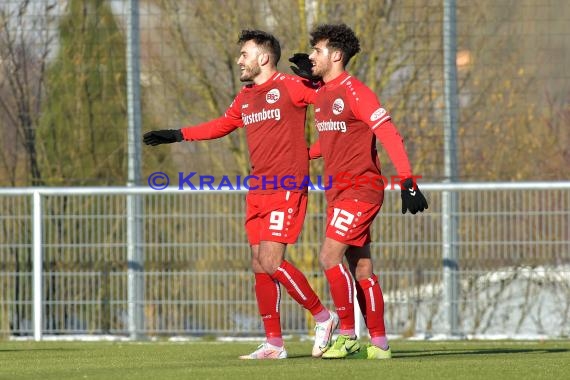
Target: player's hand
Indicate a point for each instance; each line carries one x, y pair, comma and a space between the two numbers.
412, 198
162, 136
304, 66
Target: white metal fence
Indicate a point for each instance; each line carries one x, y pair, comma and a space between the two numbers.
65, 267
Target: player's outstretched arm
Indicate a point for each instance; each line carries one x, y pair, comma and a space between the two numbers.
163, 136
412, 198
213, 129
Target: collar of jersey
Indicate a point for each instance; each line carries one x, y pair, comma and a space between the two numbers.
337, 81
267, 83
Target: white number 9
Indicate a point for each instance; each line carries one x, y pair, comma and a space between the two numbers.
276, 220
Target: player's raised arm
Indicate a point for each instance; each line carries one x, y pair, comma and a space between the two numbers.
303, 67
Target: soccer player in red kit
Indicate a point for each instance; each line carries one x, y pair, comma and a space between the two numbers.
349, 119
272, 110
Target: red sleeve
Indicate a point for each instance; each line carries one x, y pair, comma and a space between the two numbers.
315, 150
302, 91
210, 130
219, 127
393, 144
368, 109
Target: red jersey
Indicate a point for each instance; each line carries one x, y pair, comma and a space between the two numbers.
349, 117
273, 115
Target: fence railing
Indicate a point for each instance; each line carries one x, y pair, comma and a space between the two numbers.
66, 270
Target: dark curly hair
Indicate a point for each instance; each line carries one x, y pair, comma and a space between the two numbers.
267, 41
339, 37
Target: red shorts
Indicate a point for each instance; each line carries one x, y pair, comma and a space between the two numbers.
275, 217
349, 221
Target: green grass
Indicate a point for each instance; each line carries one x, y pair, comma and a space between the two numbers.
215, 360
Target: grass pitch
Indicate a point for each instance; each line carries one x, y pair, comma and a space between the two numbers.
215, 360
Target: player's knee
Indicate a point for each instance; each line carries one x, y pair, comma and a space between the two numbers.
268, 264
363, 271
256, 265
327, 261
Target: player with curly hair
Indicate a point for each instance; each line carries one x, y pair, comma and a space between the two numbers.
349, 119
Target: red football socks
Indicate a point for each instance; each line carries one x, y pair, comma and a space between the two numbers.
268, 296
373, 310
298, 287
342, 292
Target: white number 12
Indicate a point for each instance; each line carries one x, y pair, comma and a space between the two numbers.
342, 219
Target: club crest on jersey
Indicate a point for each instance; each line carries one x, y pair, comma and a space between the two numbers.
338, 106
378, 114
272, 96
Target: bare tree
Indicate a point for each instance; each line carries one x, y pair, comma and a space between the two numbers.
25, 45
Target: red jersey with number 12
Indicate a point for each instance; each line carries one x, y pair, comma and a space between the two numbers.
349, 117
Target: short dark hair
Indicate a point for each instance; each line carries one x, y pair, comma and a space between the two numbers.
265, 40
338, 36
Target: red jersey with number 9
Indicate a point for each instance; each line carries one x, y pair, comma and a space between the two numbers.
273, 115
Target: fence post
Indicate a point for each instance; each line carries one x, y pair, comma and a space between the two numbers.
37, 264
134, 204
449, 198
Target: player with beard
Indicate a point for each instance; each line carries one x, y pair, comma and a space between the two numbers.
272, 110
349, 118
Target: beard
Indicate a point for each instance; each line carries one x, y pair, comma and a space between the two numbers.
318, 71
249, 73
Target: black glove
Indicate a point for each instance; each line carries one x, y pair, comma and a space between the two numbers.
162, 136
412, 197
304, 66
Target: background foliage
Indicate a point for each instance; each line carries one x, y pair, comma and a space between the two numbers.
63, 114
